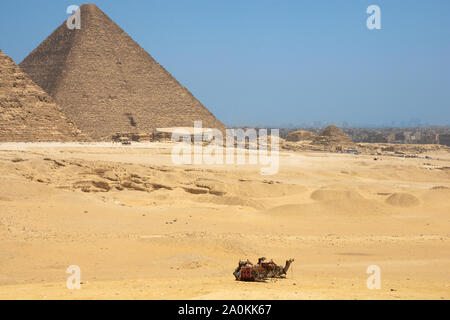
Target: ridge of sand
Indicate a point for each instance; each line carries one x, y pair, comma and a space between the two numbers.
402, 200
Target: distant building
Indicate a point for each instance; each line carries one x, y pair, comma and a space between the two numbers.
444, 139
407, 137
391, 138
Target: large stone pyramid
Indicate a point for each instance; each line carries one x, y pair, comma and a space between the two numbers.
106, 83
28, 113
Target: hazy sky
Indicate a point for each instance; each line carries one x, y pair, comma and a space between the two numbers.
275, 63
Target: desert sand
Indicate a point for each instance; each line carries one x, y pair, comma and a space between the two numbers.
142, 228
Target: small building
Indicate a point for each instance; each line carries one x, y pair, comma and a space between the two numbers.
165, 134
444, 139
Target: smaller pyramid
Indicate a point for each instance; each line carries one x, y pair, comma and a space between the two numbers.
332, 136
300, 135
332, 132
28, 113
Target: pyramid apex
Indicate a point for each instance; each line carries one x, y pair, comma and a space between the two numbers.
90, 7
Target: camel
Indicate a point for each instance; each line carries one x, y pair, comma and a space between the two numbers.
247, 271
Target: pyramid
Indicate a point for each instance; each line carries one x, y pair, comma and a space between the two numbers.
332, 136
28, 113
332, 131
300, 135
107, 84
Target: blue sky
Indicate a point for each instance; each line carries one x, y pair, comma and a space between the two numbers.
280, 63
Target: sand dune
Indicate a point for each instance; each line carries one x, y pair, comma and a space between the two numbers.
139, 227
403, 200
336, 195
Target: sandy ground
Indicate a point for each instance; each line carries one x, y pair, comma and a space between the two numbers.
142, 228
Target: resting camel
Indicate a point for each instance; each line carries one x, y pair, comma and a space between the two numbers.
247, 271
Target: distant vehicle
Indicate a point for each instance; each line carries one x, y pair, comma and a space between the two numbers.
354, 151
263, 270
125, 141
